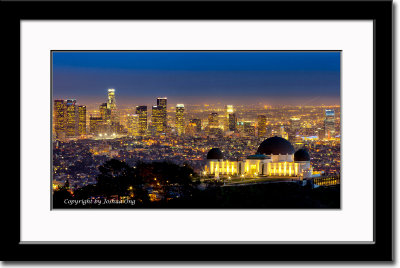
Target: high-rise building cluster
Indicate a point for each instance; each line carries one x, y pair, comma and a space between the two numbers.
108, 123
69, 118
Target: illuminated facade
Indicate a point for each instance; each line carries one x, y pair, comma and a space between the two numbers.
105, 113
229, 109
213, 120
232, 122
112, 105
157, 118
72, 119
179, 118
294, 125
261, 126
142, 112
59, 117
162, 102
96, 125
82, 120
133, 124
329, 123
275, 157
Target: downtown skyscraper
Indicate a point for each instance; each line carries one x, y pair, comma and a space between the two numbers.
261, 126
157, 118
141, 111
162, 103
329, 123
72, 118
231, 118
59, 113
82, 120
179, 119
112, 105
69, 119
133, 124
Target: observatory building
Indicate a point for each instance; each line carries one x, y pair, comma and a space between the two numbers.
275, 157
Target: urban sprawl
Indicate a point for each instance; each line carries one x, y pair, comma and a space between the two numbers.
183, 134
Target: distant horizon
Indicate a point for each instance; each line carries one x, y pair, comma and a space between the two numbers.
237, 78
94, 102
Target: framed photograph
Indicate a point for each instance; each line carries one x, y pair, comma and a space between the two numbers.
252, 135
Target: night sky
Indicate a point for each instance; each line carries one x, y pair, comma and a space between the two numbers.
272, 78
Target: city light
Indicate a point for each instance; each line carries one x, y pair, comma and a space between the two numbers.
166, 149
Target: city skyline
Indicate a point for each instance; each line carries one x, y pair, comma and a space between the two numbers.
268, 78
213, 121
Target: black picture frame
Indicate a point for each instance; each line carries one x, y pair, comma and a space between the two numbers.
12, 12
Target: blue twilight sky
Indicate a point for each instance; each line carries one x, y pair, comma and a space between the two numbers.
198, 77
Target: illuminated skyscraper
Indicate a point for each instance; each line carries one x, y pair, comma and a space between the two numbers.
229, 109
72, 118
294, 125
95, 125
59, 117
105, 113
112, 105
157, 118
133, 124
329, 123
213, 120
162, 102
261, 126
82, 120
232, 122
142, 112
179, 117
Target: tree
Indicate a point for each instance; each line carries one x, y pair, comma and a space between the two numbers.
60, 195
115, 178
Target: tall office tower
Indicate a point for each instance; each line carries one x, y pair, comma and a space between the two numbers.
71, 118
133, 124
213, 120
162, 102
157, 118
105, 113
95, 125
232, 122
229, 109
82, 120
197, 124
329, 123
142, 112
294, 125
179, 117
229, 112
59, 117
249, 128
112, 105
261, 126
